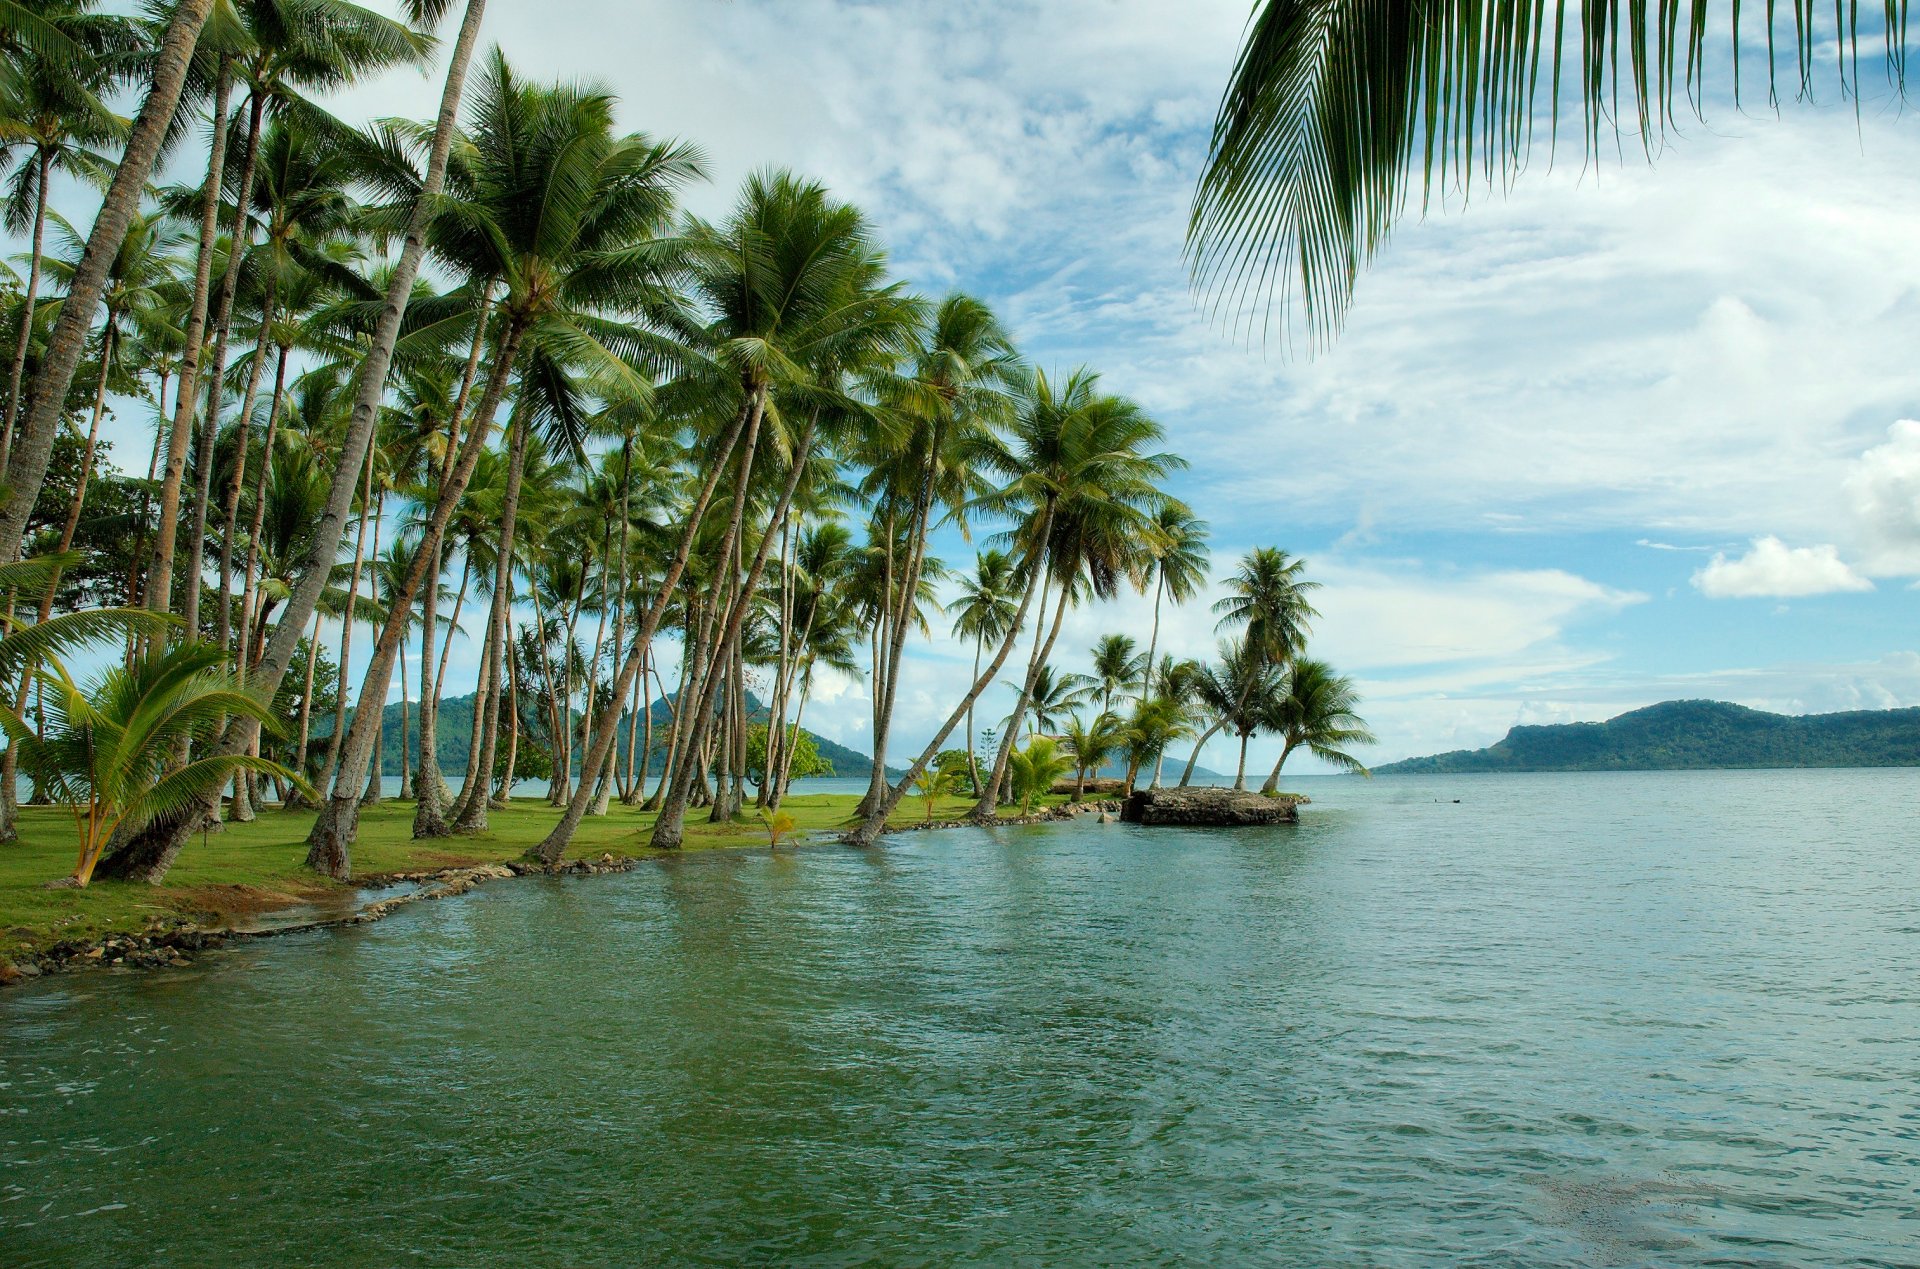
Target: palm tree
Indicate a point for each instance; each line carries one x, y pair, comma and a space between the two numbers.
1092, 744
32, 450
1179, 547
983, 612
1336, 107
1154, 724
1236, 694
1035, 768
51, 107
1116, 666
1079, 462
107, 751
796, 279
1267, 600
1051, 696
549, 202
151, 853
1318, 709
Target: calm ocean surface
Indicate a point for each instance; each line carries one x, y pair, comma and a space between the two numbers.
1666, 1019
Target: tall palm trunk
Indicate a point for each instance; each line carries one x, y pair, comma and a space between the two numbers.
406, 727
32, 450
473, 815
1153, 642
903, 616
875, 822
223, 619
1187, 775
330, 772
1273, 777
238, 243
1240, 772
152, 852
987, 808
745, 427
332, 835
16, 370
296, 799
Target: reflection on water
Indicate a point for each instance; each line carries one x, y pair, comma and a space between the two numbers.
1619, 1020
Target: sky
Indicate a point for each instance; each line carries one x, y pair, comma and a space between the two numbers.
1620, 434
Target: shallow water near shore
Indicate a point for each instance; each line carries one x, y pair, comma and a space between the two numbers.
1590, 1019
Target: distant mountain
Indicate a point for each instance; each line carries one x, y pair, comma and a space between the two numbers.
1683, 735
454, 730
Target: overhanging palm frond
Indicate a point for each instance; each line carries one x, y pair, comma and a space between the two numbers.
1333, 103
60, 635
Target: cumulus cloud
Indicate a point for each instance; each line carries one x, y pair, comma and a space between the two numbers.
1772, 569
1884, 488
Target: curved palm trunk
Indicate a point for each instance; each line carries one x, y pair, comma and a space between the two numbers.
1153, 642
987, 808
874, 823
27, 462
239, 240
473, 812
745, 425
1240, 772
151, 853
406, 728
16, 371
223, 620
1273, 777
1186, 776
329, 774
429, 785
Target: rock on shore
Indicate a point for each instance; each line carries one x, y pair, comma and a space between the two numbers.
1208, 808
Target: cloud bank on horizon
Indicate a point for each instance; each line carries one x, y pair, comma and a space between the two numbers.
1622, 434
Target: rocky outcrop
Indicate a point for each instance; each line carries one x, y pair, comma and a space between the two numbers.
1208, 808
1096, 787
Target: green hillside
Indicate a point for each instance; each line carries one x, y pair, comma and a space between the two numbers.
1683, 735
455, 730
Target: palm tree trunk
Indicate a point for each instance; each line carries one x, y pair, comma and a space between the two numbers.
473, 816
406, 763
1153, 642
238, 242
973, 763
333, 831
223, 620
513, 732
1240, 772
329, 774
27, 462
16, 371
151, 852
1273, 777
746, 424
986, 810
429, 785
870, 827
1187, 775
295, 799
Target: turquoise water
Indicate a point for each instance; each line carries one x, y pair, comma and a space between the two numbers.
1622, 1020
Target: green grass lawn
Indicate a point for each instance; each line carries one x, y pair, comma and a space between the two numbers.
259, 866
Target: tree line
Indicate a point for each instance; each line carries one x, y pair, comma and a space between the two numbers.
487, 372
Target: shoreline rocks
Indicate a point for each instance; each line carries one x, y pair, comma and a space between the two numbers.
1208, 808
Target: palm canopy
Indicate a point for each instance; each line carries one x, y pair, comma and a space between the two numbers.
1267, 599
1336, 107
1320, 710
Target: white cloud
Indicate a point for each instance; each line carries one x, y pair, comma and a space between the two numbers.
1884, 488
1772, 569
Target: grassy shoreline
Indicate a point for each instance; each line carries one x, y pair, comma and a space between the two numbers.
247, 869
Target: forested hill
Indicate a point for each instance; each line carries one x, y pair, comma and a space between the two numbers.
1679, 735
456, 726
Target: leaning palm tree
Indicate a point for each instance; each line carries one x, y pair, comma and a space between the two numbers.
1337, 107
984, 612
1318, 709
1116, 664
108, 748
1179, 546
1035, 768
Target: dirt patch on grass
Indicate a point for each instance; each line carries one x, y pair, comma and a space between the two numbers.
223, 902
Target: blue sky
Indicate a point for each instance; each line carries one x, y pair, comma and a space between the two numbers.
1616, 436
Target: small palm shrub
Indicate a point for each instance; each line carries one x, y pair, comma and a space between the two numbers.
108, 749
1035, 768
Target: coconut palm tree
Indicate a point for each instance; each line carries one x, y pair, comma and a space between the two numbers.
1237, 694
32, 450
563, 213
1092, 743
983, 612
107, 749
1117, 665
1267, 602
1051, 696
149, 854
1180, 558
1318, 709
1336, 108
1154, 724
1035, 768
